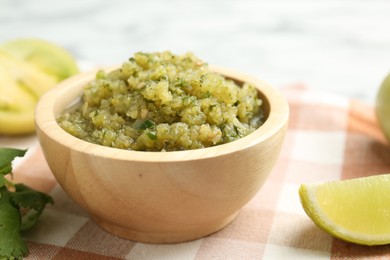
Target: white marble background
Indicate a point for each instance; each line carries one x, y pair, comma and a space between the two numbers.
335, 46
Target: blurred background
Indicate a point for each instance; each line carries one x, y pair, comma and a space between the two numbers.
341, 47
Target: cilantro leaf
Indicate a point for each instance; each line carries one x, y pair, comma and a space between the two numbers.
28, 198
20, 197
12, 246
7, 155
152, 135
144, 124
6, 169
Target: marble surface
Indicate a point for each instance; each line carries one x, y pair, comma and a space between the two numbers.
341, 47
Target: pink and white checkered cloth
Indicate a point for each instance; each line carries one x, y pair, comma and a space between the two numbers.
329, 138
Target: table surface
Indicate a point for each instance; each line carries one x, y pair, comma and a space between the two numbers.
338, 46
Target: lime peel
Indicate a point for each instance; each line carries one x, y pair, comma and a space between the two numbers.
356, 210
383, 106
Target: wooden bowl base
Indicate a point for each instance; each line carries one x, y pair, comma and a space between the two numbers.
163, 237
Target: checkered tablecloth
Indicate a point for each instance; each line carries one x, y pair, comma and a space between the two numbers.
329, 138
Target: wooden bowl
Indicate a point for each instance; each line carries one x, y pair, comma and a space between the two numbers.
160, 197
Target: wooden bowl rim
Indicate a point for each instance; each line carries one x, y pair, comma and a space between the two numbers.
48, 108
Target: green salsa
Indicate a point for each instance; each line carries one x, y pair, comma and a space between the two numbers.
163, 102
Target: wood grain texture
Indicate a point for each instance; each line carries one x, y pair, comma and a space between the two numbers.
161, 197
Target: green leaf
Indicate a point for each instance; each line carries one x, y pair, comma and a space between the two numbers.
7, 155
27, 197
35, 201
143, 124
6, 169
152, 135
12, 245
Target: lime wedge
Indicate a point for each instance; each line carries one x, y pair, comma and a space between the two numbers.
48, 57
356, 210
383, 106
